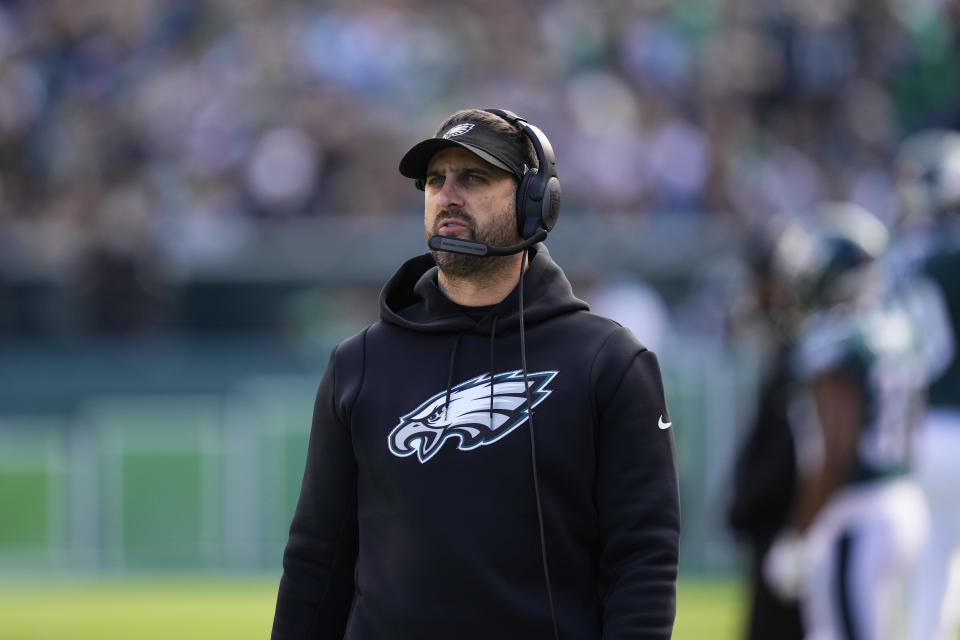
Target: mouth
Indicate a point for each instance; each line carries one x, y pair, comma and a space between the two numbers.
451, 226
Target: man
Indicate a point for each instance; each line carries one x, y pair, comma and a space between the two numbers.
858, 519
489, 460
928, 185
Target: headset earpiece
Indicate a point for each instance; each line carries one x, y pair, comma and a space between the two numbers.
538, 193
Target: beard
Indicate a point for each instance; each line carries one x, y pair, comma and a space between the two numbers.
500, 232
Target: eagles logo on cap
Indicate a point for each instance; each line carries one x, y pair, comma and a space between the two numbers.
476, 138
458, 130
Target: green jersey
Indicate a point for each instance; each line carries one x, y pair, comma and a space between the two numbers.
942, 268
879, 349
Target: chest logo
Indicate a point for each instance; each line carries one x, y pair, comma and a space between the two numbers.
467, 418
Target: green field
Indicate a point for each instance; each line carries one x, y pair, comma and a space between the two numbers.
236, 609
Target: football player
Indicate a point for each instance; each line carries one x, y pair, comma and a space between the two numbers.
858, 520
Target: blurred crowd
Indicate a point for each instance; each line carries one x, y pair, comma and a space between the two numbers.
158, 132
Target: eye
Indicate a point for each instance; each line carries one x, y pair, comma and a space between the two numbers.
434, 182
435, 416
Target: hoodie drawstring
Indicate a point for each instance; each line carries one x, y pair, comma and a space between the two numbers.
493, 335
453, 359
533, 455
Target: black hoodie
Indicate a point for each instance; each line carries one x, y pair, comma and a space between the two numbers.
417, 516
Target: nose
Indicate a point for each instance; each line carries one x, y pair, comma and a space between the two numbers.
449, 194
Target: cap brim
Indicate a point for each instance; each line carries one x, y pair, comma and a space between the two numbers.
415, 162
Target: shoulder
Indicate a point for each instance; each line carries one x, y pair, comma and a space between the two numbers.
617, 355
855, 342
347, 371
617, 344
609, 334
827, 341
349, 356
353, 347
601, 343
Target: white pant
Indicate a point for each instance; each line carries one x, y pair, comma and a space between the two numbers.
861, 550
934, 612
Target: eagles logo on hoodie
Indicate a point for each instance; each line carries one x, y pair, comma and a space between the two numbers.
467, 415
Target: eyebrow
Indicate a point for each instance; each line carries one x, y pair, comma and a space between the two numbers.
462, 169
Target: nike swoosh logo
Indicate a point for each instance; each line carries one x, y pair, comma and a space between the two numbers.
662, 424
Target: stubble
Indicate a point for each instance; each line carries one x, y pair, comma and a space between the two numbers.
501, 232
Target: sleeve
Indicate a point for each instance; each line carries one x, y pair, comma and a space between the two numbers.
316, 590
637, 497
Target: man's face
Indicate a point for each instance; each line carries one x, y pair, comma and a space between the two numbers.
469, 198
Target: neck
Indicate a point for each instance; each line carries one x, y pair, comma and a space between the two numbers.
483, 289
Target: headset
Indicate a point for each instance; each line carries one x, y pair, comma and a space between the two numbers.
538, 198
538, 194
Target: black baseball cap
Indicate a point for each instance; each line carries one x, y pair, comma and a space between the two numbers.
477, 138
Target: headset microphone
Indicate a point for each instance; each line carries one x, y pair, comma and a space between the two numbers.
474, 248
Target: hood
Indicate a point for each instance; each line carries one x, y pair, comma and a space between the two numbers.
412, 298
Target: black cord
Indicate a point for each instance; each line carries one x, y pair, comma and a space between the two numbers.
533, 457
